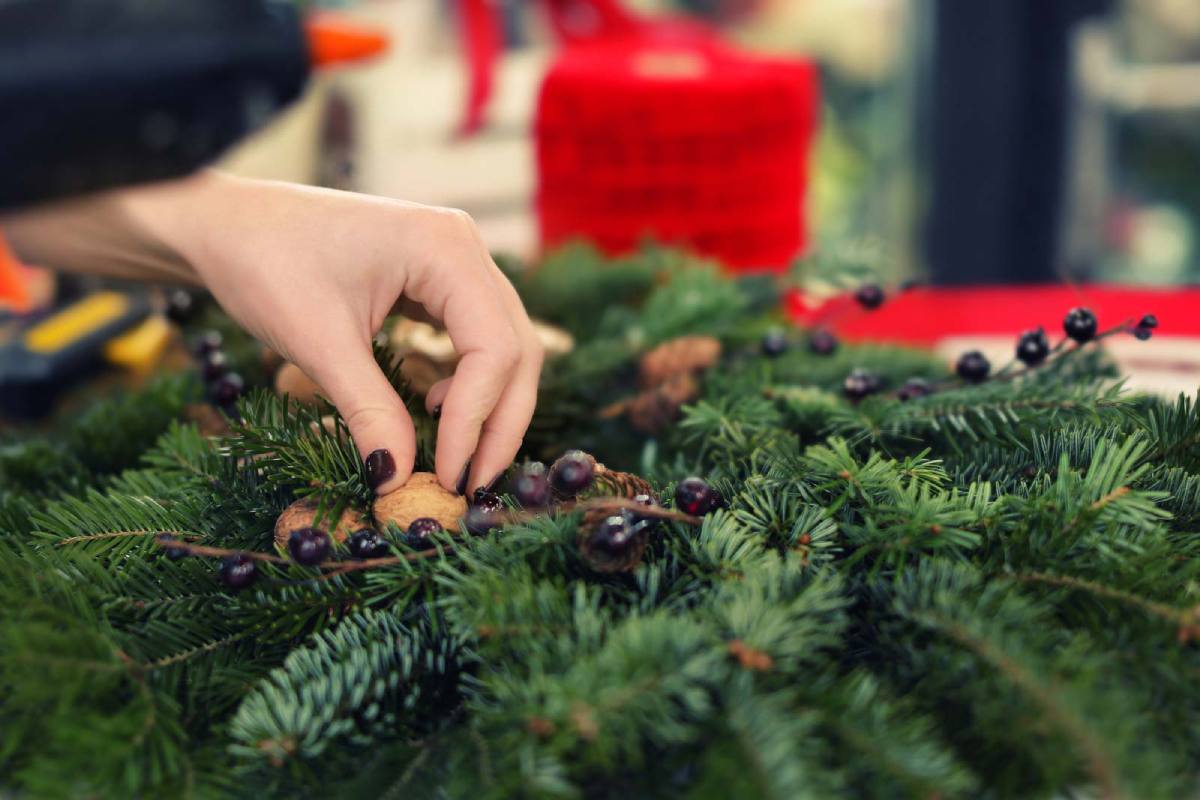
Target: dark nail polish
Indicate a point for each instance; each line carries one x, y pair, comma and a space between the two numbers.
380, 468
461, 486
437, 411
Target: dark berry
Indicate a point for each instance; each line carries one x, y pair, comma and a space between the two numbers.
308, 546
1030, 472
973, 366
181, 305
613, 536
213, 366
869, 295
531, 486
774, 344
1080, 324
486, 501
420, 533
822, 342
366, 543
572, 473
694, 496
207, 342
227, 389
716, 499
1148, 321
914, 388
238, 571
1142, 334
173, 553
859, 384
1033, 347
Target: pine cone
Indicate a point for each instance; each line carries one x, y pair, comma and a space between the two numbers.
621, 484
684, 355
655, 409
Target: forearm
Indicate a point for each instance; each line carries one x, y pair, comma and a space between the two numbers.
130, 233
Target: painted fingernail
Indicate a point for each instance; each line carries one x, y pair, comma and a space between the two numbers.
380, 468
437, 411
461, 486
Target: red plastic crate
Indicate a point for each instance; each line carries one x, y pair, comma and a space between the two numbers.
680, 139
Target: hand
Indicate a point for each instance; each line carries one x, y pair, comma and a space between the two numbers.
313, 273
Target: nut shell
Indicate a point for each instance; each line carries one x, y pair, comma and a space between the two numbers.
422, 496
292, 381
303, 514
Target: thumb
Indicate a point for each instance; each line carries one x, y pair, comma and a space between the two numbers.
375, 414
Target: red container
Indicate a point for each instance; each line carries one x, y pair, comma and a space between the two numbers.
680, 140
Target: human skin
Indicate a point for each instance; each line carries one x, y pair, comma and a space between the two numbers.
312, 273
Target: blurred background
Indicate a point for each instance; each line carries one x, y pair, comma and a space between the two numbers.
1010, 141
1018, 156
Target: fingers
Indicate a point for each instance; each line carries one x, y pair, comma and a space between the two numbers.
487, 405
504, 431
375, 414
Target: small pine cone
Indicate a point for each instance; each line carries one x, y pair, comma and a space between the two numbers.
684, 355
612, 542
655, 409
621, 484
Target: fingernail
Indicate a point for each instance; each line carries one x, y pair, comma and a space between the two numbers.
461, 486
437, 411
490, 486
380, 468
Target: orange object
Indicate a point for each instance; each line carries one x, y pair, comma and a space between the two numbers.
13, 292
331, 40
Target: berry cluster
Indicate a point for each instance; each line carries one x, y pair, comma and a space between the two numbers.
612, 535
1033, 350
222, 385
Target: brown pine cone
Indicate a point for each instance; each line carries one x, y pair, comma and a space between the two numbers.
621, 484
655, 409
686, 354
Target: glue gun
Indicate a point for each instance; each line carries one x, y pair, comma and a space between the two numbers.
102, 93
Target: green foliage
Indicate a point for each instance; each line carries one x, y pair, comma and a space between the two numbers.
991, 591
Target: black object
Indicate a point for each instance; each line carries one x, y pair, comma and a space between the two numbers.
914, 388
859, 384
694, 496
309, 546
572, 473
973, 366
774, 344
102, 93
420, 533
366, 544
822, 342
1080, 324
994, 123
1033, 347
532, 486
614, 536
238, 571
870, 296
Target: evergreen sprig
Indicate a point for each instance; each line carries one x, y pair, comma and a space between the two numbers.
991, 590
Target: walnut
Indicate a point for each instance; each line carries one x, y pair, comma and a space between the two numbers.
684, 355
421, 496
292, 381
303, 514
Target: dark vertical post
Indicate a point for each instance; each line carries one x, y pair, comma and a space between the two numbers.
998, 100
